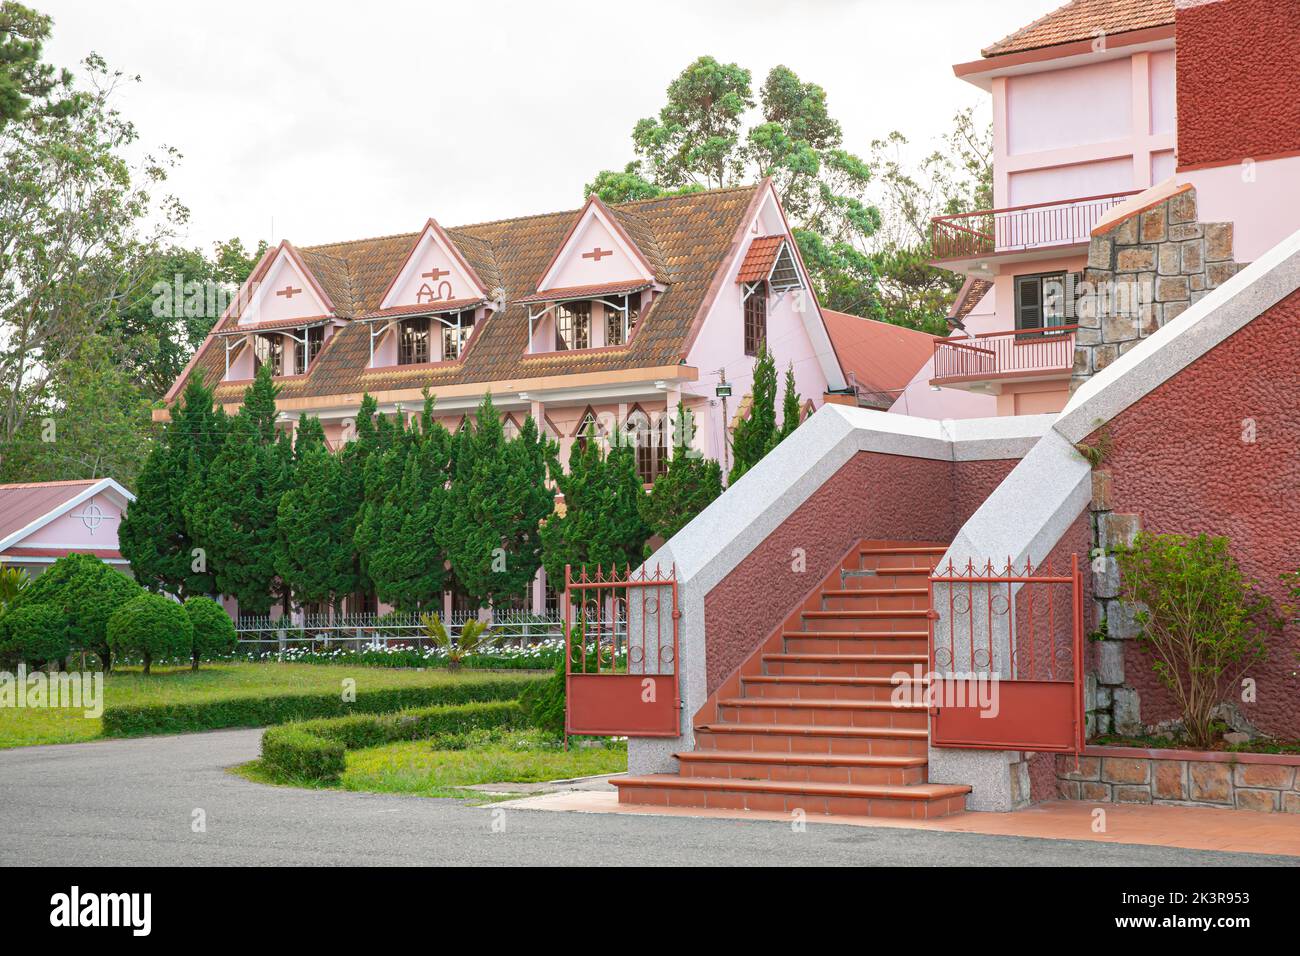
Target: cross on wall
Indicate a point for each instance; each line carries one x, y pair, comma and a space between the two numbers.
435, 273
288, 291
597, 254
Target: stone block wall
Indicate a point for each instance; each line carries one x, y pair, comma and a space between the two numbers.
1180, 779
1174, 259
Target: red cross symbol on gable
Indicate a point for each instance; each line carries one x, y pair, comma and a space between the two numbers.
288, 291
435, 273
597, 254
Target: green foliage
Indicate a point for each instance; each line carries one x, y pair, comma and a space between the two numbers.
495, 505
155, 535
791, 406
231, 510
686, 488
34, 634
263, 709
315, 750
602, 524
87, 592
313, 552
543, 703
151, 627
24, 79
13, 581
757, 434
473, 639
1203, 622
214, 631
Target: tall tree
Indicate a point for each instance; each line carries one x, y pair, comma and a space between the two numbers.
313, 556
155, 535
791, 406
602, 524
24, 79
686, 488
495, 505
232, 510
756, 434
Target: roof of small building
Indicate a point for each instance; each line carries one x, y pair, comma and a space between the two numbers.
881, 356
1085, 20
22, 504
684, 238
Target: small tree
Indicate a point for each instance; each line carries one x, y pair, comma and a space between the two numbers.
757, 434
686, 488
791, 406
13, 581
87, 592
214, 631
474, 638
35, 634
153, 627
1202, 620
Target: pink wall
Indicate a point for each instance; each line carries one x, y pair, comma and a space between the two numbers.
73, 531
1260, 198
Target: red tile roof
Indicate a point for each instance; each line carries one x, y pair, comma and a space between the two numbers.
760, 258
585, 291
685, 239
881, 357
1085, 20
20, 505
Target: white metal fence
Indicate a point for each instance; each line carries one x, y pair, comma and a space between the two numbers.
358, 631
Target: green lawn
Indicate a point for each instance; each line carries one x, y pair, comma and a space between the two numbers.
21, 727
420, 768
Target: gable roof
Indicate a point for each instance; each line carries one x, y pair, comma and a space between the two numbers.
1084, 20
24, 508
685, 240
882, 357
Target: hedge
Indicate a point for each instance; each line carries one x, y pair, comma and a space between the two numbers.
314, 750
262, 711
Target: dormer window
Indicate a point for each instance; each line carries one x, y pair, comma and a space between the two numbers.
572, 326
785, 274
755, 309
621, 312
456, 330
413, 341
313, 341
268, 349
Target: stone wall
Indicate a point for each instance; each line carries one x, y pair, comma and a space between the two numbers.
1174, 260
1182, 778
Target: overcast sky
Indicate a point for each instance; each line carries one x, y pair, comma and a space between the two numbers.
339, 120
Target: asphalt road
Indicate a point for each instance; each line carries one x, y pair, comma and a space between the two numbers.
133, 802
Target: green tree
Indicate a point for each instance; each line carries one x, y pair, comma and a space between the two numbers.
35, 634
791, 406
757, 434
314, 553
231, 511
686, 488
24, 79
495, 505
87, 592
214, 631
153, 627
155, 534
602, 524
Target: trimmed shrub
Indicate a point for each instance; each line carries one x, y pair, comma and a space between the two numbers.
214, 631
34, 634
151, 626
314, 749
264, 711
87, 592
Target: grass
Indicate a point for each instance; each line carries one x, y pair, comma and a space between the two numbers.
428, 768
22, 727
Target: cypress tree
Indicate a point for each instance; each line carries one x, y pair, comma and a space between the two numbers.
155, 536
791, 406
756, 435
686, 488
313, 553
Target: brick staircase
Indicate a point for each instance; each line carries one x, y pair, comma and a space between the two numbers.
808, 722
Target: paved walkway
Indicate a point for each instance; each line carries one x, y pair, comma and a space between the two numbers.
135, 802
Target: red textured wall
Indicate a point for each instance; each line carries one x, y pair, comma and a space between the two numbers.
884, 497
1178, 461
1238, 76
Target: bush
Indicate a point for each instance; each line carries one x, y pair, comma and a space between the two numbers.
151, 626
214, 631
87, 592
34, 634
264, 711
1202, 620
314, 750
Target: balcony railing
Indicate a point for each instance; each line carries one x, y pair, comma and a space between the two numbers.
1024, 352
1019, 228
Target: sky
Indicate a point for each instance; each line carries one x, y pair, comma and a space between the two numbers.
330, 120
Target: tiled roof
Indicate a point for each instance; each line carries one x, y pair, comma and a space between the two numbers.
1084, 20
685, 238
972, 291
759, 259
20, 505
882, 357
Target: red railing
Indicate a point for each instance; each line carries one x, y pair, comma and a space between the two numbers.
1016, 228
1010, 639
621, 649
1002, 354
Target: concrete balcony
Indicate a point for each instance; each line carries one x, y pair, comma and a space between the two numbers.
989, 361
983, 242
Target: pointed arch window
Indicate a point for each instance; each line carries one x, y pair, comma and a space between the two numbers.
755, 316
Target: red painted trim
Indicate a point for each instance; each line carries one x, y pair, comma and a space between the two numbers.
1205, 756
1061, 50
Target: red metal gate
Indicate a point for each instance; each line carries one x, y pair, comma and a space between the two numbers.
1006, 658
620, 638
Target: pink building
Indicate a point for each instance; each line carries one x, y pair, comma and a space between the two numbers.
607, 315
44, 521
1101, 108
